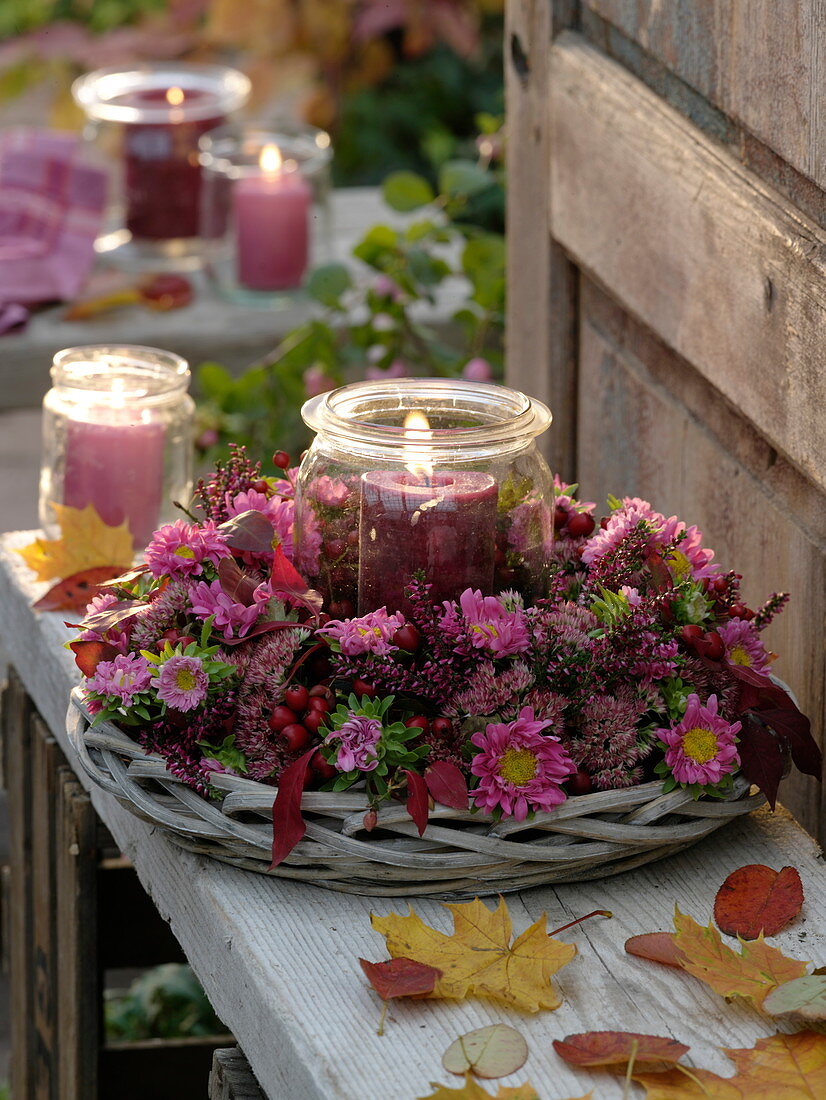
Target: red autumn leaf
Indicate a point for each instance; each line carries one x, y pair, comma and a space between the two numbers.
796, 730
285, 580
417, 800
400, 977
656, 946
447, 784
607, 1048
89, 654
235, 583
756, 899
660, 573
761, 757
113, 616
73, 593
288, 825
250, 531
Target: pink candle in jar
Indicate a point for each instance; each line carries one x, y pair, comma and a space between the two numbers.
271, 213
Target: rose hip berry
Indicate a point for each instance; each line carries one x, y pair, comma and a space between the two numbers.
319, 703
442, 727
713, 647
321, 767
420, 721
322, 691
362, 688
281, 459
560, 518
297, 697
314, 720
581, 524
282, 717
407, 637
579, 783
294, 737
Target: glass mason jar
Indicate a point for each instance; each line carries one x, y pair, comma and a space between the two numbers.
265, 209
429, 477
144, 125
117, 434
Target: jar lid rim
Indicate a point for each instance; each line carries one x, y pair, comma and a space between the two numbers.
165, 368
98, 92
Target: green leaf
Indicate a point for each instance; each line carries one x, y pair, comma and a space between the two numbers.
404, 191
377, 243
462, 178
327, 283
214, 381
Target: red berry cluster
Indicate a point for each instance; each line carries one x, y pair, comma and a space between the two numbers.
572, 523
301, 716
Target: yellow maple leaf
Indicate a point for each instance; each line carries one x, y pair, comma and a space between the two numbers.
479, 957
472, 1090
781, 1067
752, 974
85, 542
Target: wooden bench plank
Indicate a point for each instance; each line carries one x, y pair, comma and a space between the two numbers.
711, 259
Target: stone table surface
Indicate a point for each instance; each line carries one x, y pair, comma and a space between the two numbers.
278, 959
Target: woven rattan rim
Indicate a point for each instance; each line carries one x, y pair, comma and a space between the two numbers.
461, 854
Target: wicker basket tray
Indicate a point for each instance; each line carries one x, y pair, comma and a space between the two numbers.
461, 855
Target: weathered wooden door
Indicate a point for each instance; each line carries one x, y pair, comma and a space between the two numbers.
667, 251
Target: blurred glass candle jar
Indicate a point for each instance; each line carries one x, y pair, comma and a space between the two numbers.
423, 477
117, 434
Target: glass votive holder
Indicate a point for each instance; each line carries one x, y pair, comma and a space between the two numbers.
423, 478
265, 214
117, 434
144, 125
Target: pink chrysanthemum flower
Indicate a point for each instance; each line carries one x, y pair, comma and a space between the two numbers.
743, 645
492, 627
359, 737
234, 619
181, 547
280, 513
122, 678
369, 634
519, 768
701, 748
181, 682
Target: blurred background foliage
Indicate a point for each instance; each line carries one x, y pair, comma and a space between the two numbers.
398, 83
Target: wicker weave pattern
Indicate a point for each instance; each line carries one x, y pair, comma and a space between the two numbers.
461, 855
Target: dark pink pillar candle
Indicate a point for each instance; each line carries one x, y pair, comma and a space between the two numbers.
119, 469
162, 175
444, 525
271, 212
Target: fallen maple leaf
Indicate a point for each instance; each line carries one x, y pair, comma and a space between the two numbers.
494, 1051
756, 899
656, 946
752, 974
791, 1067
75, 592
472, 1090
606, 1048
85, 542
804, 996
479, 957
400, 977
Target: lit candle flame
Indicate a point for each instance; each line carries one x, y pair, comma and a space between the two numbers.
417, 430
175, 97
270, 159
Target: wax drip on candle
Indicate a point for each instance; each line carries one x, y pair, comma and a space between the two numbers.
417, 428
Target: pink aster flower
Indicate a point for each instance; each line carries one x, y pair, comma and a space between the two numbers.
701, 748
235, 619
369, 634
501, 632
122, 678
280, 513
359, 737
181, 682
181, 547
519, 768
743, 645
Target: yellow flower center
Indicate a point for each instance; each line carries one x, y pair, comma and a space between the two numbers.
700, 744
518, 766
488, 628
185, 552
739, 656
185, 679
680, 565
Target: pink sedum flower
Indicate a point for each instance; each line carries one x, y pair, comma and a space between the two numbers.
501, 632
743, 646
369, 634
182, 548
359, 738
519, 768
701, 748
233, 619
122, 678
181, 682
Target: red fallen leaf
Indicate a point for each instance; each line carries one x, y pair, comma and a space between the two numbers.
73, 593
250, 531
285, 580
607, 1048
89, 654
658, 947
756, 899
288, 825
447, 784
417, 800
400, 977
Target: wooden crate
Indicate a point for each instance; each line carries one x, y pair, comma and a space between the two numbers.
672, 157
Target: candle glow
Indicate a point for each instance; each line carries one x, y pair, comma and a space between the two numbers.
175, 97
417, 429
270, 160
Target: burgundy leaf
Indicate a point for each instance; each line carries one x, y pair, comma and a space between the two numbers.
234, 581
89, 654
447, 784
263, 626
285, 580
417, 800
123, 580
795, 728
659, 573
761, 757
74, 593
400, 977
113, 616
287, 823
250, 531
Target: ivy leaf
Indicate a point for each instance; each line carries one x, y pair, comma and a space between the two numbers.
493, 1051
328, 282
802, 997
756, 899
479, 958
610, 1048
405, 191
